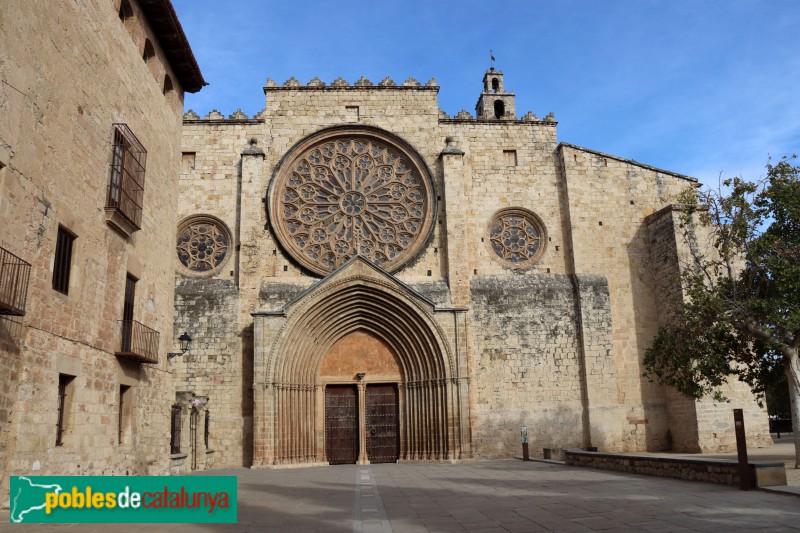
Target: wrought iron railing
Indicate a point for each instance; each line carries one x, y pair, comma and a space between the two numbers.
126, 183
14, 276
139, 342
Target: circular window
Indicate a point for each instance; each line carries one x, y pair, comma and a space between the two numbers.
351, 191
517, 237
203, 244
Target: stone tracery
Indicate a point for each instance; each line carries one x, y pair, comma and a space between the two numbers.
203, 244
348, 195
517, 236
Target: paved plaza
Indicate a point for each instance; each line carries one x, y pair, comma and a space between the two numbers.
482, 496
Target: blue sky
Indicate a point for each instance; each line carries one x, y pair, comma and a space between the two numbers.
693, 86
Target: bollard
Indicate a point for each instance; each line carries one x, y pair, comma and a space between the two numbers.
745, 482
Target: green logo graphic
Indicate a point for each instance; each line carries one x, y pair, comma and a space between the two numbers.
123, 499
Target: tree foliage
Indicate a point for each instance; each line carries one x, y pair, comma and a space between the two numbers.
738, 313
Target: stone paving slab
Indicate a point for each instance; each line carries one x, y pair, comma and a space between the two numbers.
481, 496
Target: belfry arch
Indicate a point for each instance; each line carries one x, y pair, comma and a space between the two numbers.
359, 298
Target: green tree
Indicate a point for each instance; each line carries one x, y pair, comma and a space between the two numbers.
739, 311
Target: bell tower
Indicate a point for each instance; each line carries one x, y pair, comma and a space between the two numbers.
494, 102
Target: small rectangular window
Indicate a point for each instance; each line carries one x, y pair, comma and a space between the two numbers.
175, 430
124, 411
207, 428
63, 260
187, 161
351, 113
510, 157
65, 389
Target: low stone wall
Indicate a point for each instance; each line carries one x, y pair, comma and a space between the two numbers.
720, 471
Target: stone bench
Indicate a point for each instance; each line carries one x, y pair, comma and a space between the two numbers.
722, 471
554, 454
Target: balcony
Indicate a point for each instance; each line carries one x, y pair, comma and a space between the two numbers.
14, 276
126, 182
139, 343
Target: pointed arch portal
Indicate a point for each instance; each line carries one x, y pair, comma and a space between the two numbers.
394, 335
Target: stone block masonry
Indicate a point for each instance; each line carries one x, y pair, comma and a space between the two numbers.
763, 473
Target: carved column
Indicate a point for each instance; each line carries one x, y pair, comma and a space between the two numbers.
362, 423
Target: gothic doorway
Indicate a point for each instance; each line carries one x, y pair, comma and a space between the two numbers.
359, 352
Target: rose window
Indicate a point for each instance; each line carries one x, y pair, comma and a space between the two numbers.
517, 237
203, 244
351, 194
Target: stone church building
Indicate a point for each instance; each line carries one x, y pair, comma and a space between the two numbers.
364, 278
368, 279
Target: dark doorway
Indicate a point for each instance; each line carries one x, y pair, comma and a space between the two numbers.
127, 313
341, 424
383, 435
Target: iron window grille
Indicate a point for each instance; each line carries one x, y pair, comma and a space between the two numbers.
126, 183
63, 260
175, 430
14, 276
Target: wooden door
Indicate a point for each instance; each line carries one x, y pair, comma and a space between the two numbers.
341, 424
383, 430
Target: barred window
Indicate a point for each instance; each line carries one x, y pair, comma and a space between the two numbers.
175, 430
126, 182
63, 260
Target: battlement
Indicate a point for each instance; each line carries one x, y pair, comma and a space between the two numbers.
214, 117
342, 84
527, 118
494, 105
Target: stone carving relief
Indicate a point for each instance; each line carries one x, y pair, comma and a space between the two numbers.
352, 193
203, 244
517, 237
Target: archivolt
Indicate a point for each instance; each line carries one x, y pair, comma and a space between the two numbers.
357, 303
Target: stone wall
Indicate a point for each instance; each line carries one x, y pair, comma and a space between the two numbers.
608, 199
705, 425
526, 364
217, 366
59, 99
720, 471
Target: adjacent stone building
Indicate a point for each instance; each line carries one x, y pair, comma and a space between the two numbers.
91, 104
368, 279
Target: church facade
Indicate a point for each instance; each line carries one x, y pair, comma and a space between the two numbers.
368, 279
